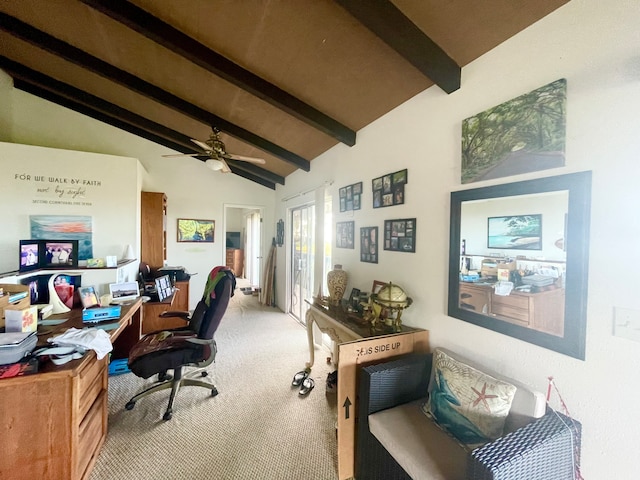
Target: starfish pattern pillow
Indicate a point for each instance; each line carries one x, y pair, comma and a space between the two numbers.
467, 403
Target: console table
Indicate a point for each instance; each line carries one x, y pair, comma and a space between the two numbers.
341, 326
54, 422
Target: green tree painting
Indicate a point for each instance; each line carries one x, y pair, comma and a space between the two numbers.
522, 135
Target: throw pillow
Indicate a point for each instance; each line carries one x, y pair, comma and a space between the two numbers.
467, 403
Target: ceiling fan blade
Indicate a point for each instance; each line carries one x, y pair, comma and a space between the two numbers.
244, 159
202, 145
184, 155
225, 167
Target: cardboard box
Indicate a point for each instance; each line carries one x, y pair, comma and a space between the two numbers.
24, 320
9, 289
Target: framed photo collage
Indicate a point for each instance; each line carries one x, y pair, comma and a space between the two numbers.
399, 235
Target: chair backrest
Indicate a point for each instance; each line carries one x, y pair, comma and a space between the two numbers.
210, 321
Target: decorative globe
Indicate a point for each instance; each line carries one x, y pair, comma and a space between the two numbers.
392, 296
394, 300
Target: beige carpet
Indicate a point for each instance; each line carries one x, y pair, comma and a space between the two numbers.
258, 427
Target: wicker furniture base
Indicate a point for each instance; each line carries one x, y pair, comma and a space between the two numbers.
547, 448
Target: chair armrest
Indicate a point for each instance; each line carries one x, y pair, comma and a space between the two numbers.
177, 313
382, 386
548, 447
388, 384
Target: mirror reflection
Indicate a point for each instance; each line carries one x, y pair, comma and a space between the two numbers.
513, 260
519, 258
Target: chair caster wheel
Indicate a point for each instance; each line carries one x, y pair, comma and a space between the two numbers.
167, 415
214, 392
204, 374
130, 405
164, 376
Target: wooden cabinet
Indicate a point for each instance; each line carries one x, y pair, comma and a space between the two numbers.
153, 250
151, 320
542, 310
235, 261
475, 297
54, 423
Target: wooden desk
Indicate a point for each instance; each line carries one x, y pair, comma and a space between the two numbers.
340, 325
179, 301
53, 423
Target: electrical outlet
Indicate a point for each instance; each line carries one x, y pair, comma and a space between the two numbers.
626, 323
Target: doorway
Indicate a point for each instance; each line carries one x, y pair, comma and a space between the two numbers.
242, 238
302, 258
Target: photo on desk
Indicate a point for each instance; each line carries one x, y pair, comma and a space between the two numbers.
88, 297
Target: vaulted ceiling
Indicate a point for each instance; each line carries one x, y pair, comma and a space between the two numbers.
284, 80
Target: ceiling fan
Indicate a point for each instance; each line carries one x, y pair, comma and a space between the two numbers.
215, 149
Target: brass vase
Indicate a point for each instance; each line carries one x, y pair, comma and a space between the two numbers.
337, 284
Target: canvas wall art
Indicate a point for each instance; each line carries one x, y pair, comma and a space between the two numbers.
522, 135
192, 230
65, 227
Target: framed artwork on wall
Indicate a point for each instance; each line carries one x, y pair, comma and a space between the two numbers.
192, 230
388, 190
344, 234
520, 232
369, 244
400, 235
350, 197
521, 135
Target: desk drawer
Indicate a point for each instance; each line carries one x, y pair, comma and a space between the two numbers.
91, 383
511, 306
91, 431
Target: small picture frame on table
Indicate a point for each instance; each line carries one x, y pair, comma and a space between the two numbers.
88, 297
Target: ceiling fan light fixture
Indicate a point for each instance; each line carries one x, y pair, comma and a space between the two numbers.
214, 164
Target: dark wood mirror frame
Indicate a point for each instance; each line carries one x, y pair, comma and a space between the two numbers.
578, 185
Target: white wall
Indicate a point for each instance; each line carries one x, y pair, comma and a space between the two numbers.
193, 190
48, 181
594, 45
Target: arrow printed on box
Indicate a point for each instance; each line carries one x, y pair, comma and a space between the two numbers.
346, 405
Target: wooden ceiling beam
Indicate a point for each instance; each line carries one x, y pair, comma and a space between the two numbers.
78, 57
385, 20
173, 39
252, 177
70, 97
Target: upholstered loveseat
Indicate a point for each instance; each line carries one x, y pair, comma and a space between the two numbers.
398, 440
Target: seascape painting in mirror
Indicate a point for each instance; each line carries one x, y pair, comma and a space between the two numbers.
518, 260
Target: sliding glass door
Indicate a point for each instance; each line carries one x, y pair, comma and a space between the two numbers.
302, 255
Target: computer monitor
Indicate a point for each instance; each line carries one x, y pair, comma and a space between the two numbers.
30, 255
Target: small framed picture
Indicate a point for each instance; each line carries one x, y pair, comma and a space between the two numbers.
369, 244
88, 297
354, 298
389, 190
344, 234
400, 235
377, 286
350, 197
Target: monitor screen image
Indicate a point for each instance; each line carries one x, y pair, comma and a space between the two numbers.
29, 255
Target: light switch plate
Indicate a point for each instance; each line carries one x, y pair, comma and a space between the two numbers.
626, 323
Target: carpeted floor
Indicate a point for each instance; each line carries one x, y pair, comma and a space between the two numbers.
258, 427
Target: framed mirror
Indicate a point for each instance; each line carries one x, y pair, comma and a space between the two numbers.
518, 260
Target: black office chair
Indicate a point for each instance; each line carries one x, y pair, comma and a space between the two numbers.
158, 352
